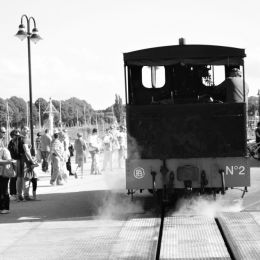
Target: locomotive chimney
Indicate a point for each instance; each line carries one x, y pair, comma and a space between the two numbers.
181, 41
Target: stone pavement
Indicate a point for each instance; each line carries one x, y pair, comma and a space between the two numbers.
79, 220
66, 219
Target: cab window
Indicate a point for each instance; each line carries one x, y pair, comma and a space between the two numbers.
153, 76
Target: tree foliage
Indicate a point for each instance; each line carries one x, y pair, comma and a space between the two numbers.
3, 115
17, 111
118, 109
73, 111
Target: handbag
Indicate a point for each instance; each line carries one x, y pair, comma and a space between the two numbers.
28, 175
9, 171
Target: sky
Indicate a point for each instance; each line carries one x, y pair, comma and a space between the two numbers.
81, 54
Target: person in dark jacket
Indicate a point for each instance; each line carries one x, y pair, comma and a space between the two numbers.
12, 147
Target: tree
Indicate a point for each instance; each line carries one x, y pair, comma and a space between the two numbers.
18, 111
118, 109
42, 104
2, 111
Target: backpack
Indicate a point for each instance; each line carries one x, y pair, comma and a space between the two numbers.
16, 148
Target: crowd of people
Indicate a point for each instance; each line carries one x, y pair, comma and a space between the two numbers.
18, 161
16, 168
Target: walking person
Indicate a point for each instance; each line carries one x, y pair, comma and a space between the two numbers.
56, 158
45, 149
94, 147
80, 149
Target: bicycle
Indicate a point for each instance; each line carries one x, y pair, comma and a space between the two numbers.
252, 148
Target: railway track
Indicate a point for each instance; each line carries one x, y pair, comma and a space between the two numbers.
228, 236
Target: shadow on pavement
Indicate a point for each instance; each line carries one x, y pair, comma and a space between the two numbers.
102, 204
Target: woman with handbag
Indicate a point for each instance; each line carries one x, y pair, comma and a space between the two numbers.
13, 149
6, 172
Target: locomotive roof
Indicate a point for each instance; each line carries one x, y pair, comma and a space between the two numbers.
188, 54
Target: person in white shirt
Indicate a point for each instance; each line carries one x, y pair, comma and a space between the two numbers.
122, 145
94, 147
107, 148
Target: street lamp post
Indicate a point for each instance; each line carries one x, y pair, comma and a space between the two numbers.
31, 36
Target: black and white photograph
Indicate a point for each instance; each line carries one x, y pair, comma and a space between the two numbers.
129, 130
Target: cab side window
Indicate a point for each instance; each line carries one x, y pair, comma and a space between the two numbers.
153, 76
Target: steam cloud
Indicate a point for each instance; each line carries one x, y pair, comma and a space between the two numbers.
206, 206
134, 150
116, 206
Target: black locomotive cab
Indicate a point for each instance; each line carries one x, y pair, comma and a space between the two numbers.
182, 131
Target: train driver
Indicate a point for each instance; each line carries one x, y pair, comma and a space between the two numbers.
231, 89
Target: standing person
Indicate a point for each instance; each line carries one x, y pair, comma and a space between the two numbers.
68, 146
34, 182
38, 147
80, 149
2, 136
5, 164
122, 145
257, 138
12, 147
45, 149
65, 155
56, 158
94, 151
107, 148
24, 161
68, 163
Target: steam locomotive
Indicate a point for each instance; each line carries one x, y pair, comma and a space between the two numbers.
178, 140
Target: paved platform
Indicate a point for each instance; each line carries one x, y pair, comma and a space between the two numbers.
192, 237
92, 218
86, 218
242, 232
